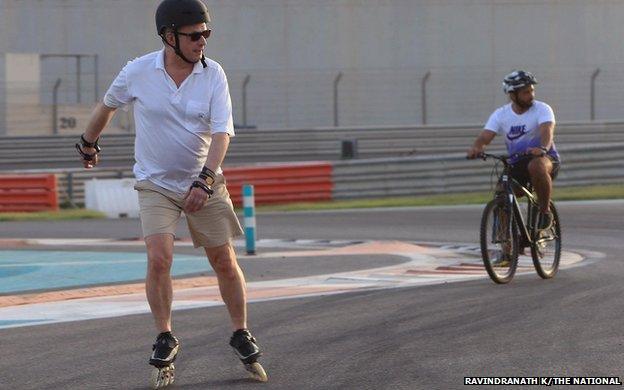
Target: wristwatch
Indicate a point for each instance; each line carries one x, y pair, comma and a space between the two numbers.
209, 180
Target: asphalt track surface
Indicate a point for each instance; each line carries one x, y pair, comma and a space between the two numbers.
427, 337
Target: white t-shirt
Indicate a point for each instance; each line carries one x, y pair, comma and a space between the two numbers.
522, 131
173, 125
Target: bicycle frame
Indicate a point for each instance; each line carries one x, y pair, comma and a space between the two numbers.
509, 184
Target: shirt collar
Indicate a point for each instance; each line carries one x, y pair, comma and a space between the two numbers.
198, 67
159, 63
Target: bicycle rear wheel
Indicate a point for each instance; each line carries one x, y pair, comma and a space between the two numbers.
499, 241
546, 246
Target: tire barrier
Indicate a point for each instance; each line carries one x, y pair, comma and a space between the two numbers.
28, 193
282, 183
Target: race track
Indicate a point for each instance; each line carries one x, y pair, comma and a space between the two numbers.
395, 336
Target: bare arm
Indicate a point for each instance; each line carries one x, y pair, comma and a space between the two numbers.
196, 197
218, 147
100, 117
547, 131
484, 139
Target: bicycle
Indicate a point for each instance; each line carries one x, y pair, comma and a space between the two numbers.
503, 230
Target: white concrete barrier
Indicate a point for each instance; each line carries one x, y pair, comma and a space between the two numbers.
117, 198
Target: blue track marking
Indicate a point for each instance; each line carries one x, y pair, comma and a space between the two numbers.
4, 323
22, 271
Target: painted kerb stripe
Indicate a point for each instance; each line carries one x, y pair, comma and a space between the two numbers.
249, 214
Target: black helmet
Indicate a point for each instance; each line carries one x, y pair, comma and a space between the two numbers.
178, 13
517, 79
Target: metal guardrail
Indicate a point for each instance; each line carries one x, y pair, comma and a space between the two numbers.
251, 145
406, 176
452, 173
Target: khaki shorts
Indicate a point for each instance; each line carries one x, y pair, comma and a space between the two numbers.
213, 225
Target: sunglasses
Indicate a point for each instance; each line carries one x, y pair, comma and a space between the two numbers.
196, 35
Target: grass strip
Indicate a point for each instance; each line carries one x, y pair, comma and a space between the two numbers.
52, 215
615, 191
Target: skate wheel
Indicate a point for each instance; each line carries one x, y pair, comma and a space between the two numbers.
171, 374
154, 380
257, 372
166, 377
162, 377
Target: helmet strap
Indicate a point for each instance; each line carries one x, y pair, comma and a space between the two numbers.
178, 52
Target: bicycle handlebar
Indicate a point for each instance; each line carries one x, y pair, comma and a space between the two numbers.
502, 157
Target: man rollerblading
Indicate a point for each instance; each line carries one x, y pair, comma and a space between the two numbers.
183, 121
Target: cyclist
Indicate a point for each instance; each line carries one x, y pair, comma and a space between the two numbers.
528, 126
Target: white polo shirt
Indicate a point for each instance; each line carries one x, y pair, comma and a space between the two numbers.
173, 125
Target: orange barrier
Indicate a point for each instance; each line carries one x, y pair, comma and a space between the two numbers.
28, 193
282, 183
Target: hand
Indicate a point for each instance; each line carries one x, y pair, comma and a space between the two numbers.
195, 199
88, 164
537, 152
473, 153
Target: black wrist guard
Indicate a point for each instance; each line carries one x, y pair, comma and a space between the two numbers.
199, 184
86, 144
207, 173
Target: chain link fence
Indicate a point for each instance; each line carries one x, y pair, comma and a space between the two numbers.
272, 99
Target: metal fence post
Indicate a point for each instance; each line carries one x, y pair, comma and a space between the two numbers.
96, 79
423, 96
245, 83
592, 107
70, 189
55, 106
336, 81
249, 215
78, 72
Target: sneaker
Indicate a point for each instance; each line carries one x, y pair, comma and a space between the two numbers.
165, 350
245, 346
545, 220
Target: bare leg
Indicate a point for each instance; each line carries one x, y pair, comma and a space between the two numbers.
539, 171
231, 283
158, 287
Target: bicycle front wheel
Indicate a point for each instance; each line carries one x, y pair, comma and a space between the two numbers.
499, 241
546, 246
